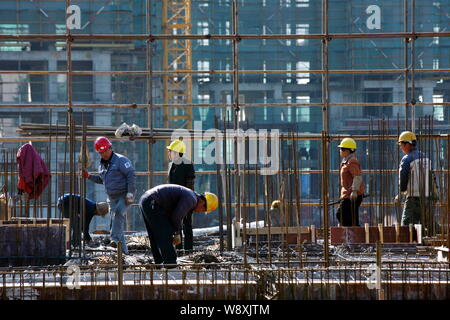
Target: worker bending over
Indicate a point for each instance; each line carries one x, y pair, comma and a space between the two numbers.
163, 209
92, 209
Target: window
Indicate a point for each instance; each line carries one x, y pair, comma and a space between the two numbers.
227, 31
288, 31
82, 85
14, 29
289, 75
203, 98
436, 39
265, 74
285, 3
264, 42
242, 115
438, 109
203, 28
301, 29
435, 63
303, 114
377, 95
203, 65
302, 78
228, 75
302, 3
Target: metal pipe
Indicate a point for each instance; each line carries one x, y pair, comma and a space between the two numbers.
152, 37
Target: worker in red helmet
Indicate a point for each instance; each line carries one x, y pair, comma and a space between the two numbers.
117, 174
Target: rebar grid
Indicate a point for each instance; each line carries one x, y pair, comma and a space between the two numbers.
290, 282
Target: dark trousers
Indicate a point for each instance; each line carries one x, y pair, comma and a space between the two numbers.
187, 236
348, 212
75, 227
160, 232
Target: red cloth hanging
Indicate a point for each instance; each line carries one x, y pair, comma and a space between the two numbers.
33, 172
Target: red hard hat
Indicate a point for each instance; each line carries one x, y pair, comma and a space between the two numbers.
102, 144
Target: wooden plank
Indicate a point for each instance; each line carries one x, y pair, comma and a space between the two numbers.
20, 221
418, 228
397, 232
278, 230
366, 230
380, 230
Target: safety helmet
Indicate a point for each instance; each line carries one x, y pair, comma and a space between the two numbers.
102, 144
275, 204
348, 143
177, 146
407, 136
212, 202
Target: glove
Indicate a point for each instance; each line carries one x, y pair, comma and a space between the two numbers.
176, 239
129, 199
353, 196
84, 173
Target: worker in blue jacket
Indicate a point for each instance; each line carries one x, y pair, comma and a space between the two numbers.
117, 174
416, 180
163, 209
92, 209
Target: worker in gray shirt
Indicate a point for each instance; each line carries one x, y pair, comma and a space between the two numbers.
117, 174
163, 209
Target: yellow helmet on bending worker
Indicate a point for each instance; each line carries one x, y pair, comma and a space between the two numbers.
177, 146
348, 143
212, 202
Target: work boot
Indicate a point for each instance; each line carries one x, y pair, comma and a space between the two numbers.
113, 244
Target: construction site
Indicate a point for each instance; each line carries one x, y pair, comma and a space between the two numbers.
265, 97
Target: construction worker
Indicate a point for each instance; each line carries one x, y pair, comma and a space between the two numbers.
352, 186
416, 180
181, 171
275, 214
163, 209
92, 209
117, 174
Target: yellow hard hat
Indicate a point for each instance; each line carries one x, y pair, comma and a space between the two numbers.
347, 143
407, 136
275, 204
212, 202
177, 146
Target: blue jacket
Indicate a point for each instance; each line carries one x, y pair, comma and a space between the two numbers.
64, 204
177, 201
415, 174
117, 175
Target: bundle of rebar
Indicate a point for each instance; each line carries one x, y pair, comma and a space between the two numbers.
43, 130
